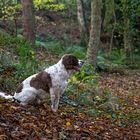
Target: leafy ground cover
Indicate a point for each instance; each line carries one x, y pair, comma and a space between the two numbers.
18, 122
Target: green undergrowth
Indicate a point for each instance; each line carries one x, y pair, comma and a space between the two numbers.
84, 93
17, 60
116, 58
58, 47
110, 59
106, 60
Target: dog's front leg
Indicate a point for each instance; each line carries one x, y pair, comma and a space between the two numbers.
55, 96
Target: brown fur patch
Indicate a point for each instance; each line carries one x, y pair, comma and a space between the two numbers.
70, 61
19, 88
41, 81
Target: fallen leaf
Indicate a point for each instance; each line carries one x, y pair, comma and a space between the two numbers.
68, 124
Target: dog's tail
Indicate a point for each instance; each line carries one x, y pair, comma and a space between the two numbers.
3, 95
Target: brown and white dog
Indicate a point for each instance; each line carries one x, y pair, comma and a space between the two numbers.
52, 80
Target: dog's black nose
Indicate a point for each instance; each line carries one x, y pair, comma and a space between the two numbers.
81, 62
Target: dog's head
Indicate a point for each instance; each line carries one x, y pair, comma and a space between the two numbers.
71, 63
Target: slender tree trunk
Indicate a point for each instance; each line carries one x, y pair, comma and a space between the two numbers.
114, 25
28, 20
95, 30
127, 39
82, 22
110, 21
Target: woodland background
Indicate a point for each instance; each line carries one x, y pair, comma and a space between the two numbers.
103, 100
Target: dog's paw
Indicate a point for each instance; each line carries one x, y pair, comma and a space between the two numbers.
23, 104
54, 109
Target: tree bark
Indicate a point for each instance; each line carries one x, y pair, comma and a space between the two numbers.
114, 25
95, 30
28, 21
127, 39
82, 22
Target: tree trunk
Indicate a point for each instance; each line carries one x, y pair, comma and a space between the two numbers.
95, 30
82, 22
114, 25
109, 24
127, 39
28, 21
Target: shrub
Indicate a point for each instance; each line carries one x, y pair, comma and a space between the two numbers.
84, 93
109, 60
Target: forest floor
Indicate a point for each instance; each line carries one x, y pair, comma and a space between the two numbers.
40, 123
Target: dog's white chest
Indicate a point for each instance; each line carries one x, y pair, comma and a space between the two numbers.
59, 83
59, 77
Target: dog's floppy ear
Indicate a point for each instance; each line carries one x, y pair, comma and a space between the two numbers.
70, 61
